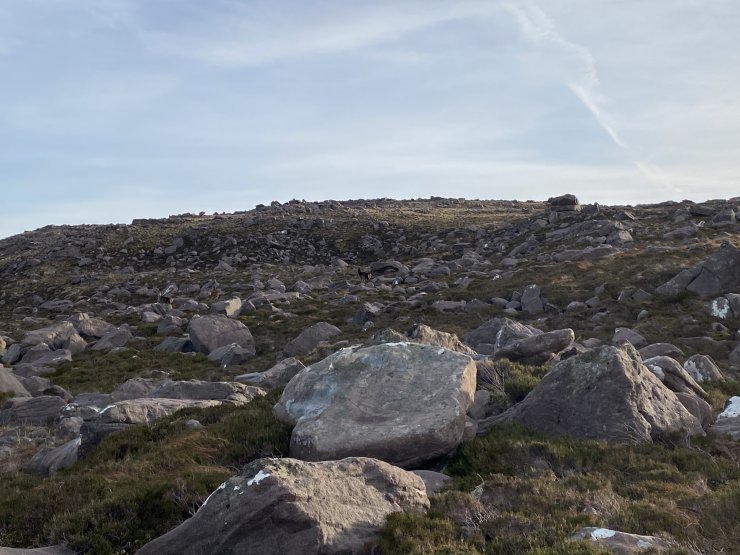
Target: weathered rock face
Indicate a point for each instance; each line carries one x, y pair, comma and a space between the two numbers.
146, 411
32, 410
425, 335
51, 460
674, 376
532, 300
403, 403
10, 384
702, 368
537, 348
59, 336
720, 273
208, 333
497, 332
233, 392
291, 507
728, 421
89, 326
116, 337
605, 394
309, 338
277, 376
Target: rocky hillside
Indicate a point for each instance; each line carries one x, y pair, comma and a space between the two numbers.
375, 376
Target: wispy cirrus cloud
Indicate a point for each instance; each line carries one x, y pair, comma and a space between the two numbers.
580, 75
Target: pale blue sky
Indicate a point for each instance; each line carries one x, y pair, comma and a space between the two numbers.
116, 109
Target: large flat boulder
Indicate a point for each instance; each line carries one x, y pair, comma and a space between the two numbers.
291, 507
146, 411
606, 394
404, 403
537, 348
210, 332
233, 392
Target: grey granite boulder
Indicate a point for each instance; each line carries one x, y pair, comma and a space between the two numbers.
114, 338
309, 338
403, 403
210, 332
32, 410
50, 460
702, 368
606, 394
277, 376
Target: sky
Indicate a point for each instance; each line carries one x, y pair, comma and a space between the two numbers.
112, 110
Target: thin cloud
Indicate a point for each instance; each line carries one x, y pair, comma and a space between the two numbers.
252, 37
582, 80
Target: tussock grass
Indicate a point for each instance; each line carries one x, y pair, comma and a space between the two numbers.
518, 492
103, 371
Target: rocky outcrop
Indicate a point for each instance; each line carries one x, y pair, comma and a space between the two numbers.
291, 507
605, 394
718, 274
403, 403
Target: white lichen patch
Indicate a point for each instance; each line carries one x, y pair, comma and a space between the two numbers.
691, 367
732, 410
720, 308
642, 544
258, 478
602, 533
658, 371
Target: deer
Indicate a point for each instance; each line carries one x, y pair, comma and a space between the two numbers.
364, 275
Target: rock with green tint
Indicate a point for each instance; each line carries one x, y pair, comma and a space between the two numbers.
403, 403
